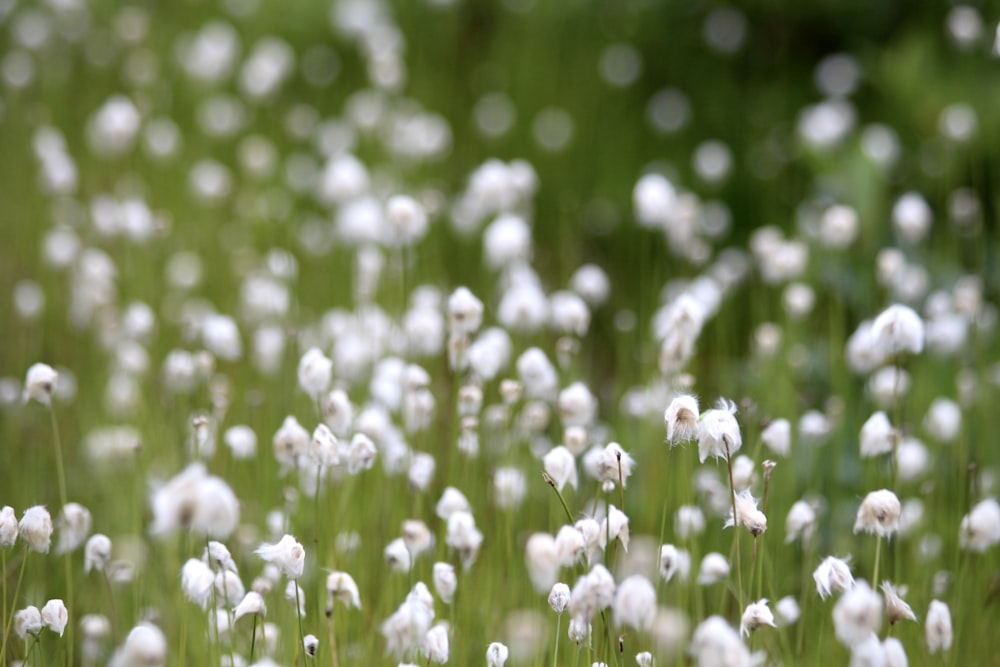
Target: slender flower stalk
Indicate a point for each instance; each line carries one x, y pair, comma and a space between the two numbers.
68, 555
551, 482
736, 531
17, 591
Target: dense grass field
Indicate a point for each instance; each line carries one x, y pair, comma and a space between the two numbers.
470, 329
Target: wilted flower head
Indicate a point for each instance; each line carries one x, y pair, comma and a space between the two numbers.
833, 574
496, 655
252, 604
896, 608
35, 528
681, 419
719, 432
747, 514
40, 383
878, 514
341, 586
287, 554
757, 614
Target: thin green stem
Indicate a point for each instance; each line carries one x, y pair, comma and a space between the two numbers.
253, 637
68, 556
298, 615
878, 553
551, 482
333, 639
736, 527
10, 620
555, 653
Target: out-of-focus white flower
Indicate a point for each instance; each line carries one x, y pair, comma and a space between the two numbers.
55, 616
8, 527
315, 372
635, 603
445, 581
714, 568
40, 383
801, 522
542, 559
937, 626
857, 614
145, 645
287, 554
833, 574
35, 528
28, 621
97, 553
718, 432
980, 528
898, 329
674, 562
252, 604
560, 465
878, 514
877, 435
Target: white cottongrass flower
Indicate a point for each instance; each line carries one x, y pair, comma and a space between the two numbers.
96, 553
436, 644
40, 383
592, 592
878, 514
509, 487
980, 528
74, 524
296, 597
465, 312
896, 609
833, 574
28, 621
287, 554
614, 464
35, 528
718, 432
197, 582
777, 435
496, 654
463, 536
857, 614
310, 644
145, 645
195, 500
560, 465
635, 603
341, 586
559, 597
315, 372
361, 454
445, 581
757, 614
570, 546
747, 514
716, 643
714, 568
8, 527
229, 588
290, 443
644, 659
674, 562
800, 523
895, 654
614, 527
937, 627
688, 521
943, 420
452, 500
397, 556
681, 419
324, 449
406, 630
252, 604
788, 610
55, 616
877, 436
242, 441
542, 559
898, 329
